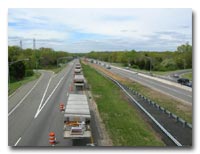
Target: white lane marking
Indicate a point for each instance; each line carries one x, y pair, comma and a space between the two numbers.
24, 97
17, 141
43, 96
49, 96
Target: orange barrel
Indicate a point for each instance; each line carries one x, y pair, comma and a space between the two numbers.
61, 107
52, 138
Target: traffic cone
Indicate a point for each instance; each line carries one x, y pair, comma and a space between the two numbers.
61, 107
52, 140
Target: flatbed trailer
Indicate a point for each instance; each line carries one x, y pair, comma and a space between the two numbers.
77, 117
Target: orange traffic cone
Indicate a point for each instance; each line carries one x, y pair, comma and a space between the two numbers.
52, 140
61, 107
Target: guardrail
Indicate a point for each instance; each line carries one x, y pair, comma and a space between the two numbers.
171, 115
167, 133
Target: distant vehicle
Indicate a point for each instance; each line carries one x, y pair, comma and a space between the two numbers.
108, 67
183, 81
175, 75
127, 68
189, 84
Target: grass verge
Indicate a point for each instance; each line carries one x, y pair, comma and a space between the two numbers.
181, 109
12, 87
123, 122
187, 75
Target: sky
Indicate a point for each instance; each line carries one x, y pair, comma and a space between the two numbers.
85, 30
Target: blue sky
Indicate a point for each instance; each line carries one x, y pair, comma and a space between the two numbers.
85, 30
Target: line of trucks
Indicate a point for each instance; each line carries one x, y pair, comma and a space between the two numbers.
77, 113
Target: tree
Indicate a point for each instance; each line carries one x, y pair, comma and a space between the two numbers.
17, 71
184, 53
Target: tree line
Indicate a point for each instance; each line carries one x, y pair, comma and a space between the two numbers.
146, 60
23, 61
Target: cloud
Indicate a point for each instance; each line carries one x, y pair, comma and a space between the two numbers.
101, 29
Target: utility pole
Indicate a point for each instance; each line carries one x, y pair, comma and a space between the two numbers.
20, 42
150, 63
33, 44
35, 53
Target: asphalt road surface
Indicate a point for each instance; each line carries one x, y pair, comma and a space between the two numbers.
170, 90
33, 111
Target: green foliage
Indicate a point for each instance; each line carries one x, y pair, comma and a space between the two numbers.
17, 71
158, 61
29, 73
39, 58
168, 64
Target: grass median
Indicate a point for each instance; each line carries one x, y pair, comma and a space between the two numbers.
123, 122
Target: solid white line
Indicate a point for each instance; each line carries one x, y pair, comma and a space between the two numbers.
17, 141
43, 95
24, 97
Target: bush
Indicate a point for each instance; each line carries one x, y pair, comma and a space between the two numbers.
135, 66
29, 73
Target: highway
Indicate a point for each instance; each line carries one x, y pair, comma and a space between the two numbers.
170, 90
33, 111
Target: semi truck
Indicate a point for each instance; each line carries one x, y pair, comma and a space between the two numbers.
77, 117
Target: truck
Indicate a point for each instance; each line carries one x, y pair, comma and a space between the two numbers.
77, 117
77, 71
79, 80
78, 66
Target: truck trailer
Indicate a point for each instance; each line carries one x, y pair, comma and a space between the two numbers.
77, 117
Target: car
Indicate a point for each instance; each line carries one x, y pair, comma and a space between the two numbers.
108, 67
189, 84
183, 81
175, 75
